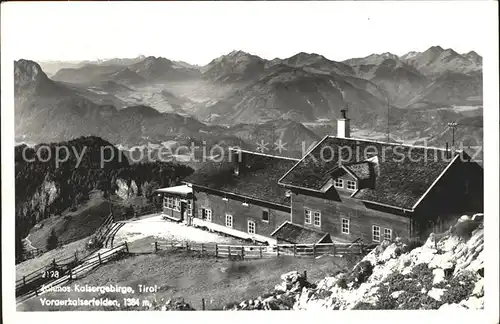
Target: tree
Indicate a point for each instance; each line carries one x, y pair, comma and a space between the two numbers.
20, 248
52, 240
149, 189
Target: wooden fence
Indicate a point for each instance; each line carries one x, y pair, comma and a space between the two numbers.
103, 230
57, 274
243, 252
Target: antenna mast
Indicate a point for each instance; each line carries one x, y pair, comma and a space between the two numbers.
452, 125
388, 112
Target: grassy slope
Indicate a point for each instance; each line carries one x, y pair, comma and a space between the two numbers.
219, 281
72, 226
66, 251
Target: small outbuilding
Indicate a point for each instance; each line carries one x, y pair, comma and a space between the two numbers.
177, 203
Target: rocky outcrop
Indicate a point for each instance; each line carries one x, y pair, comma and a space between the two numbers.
282, 298
446, 271
170, 305
126, 189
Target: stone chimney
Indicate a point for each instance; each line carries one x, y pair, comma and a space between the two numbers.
343, 127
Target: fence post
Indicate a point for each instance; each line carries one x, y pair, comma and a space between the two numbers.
99, 256
242, 253
314, 250
126, 246
156, 246
333, 249
76, 256
305, 274
187, 246
260, 251
24, 280
277, 250
216, 250
229, 251
70, 274
54, 262
294, 249
203, 303
202, 248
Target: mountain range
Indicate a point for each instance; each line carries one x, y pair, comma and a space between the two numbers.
134, 101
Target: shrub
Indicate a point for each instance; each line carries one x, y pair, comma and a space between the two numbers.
342, 283
464, 229
460, 288
364, 306
411, 244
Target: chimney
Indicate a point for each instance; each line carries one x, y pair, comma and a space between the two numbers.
237, 158
343, 127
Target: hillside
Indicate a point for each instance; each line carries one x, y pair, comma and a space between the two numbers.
296, 94
50, 187
446, 272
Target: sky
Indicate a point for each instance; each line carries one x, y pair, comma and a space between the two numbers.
199, 32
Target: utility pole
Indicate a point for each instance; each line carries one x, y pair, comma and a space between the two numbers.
452, 125
388, 114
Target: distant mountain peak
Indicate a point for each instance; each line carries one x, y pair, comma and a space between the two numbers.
27, 72
238, 53
389, 55
435, 49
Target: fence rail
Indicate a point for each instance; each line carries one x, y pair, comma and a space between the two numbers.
65, 273
263, 251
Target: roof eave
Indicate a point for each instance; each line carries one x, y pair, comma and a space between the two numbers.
302, 159
239, 195
435, 182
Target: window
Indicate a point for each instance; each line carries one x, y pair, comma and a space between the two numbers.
189, 207
206, 214
265, 215
317, 218
375, 233
338, 183
345, 226
351, 185
172, 203
229, 220
177, 204
251, 227
307, 216
387, 234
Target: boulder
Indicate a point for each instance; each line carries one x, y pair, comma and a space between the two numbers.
478, 217
450, 307
292, 276
473, 303
478, 290
438, 276
396, 294
464, 218
284, 286
436, 293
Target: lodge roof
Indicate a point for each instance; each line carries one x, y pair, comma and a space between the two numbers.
298, 234
404, 173
258, 179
